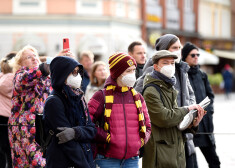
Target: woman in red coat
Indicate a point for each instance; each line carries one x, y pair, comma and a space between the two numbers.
121, 116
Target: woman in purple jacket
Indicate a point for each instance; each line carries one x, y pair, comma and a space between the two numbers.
120, 115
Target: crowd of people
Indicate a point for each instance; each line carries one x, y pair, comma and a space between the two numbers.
101, 118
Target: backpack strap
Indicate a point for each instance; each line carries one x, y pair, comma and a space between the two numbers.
156, 87
51, 132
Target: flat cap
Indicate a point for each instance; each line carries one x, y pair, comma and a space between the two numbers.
162, 54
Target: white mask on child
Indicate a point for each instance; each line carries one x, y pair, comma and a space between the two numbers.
129, 80
74, 81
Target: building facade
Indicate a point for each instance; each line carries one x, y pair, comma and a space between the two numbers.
102, 26
215, 28
179, 17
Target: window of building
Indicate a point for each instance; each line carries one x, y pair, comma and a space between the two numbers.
133, 12
216, 23
29, 6
172, 4
120, 9
188, 5
156, 2
134, 9
89, 7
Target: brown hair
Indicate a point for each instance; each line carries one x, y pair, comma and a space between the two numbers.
88, 54
93, 69
172, 42
132, 45
5, 67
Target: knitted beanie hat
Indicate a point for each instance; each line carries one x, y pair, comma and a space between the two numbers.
188, 47
118, 63
163, 42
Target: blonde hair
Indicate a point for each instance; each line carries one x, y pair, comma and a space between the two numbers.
88, 54
16, 61
93, 69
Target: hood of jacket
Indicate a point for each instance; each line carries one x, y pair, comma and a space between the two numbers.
60, 68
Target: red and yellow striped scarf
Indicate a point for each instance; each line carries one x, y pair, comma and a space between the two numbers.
109, 99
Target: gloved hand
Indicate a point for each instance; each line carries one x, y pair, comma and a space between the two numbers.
66, 135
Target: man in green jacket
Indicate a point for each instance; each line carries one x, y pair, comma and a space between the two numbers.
165, 149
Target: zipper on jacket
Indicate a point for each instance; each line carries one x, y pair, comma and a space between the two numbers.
125, 122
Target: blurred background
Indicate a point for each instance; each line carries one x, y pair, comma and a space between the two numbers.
107, 26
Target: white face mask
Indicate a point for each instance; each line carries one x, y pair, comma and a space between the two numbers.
74, 81
168, 70
178, 53
129, 80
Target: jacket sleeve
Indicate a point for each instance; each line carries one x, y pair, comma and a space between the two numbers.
159, 114
209, 93
147, 120
55, 115
140, 81
85, 133
96, 109
27, 78
192, 99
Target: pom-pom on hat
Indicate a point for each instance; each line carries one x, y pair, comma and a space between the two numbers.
118, 63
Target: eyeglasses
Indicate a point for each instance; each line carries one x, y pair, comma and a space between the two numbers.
30, 57
75, 72
194, 55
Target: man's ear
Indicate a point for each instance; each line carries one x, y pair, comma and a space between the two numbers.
129, 53
155, 67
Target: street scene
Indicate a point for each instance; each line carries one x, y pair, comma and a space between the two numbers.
224, 132
117, 83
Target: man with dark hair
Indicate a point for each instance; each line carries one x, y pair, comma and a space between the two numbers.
166, 145
137, 51
201, 86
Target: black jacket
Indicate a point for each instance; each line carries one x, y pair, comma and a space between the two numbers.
201, 86
139, 70
74, 153
85, 81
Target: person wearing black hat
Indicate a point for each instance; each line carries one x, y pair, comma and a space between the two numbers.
66, 114
171, 43
166, 145
185, 95
202, 89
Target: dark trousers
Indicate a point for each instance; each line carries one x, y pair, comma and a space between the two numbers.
5, 152
191, 161
211, 156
